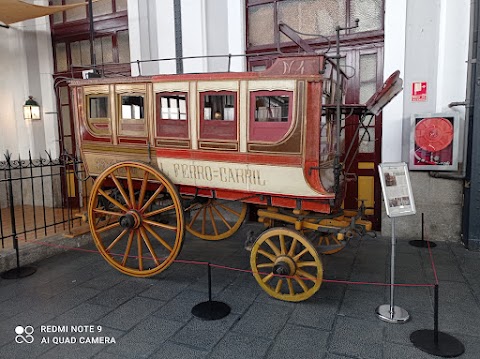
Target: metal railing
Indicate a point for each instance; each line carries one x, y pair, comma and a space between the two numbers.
40, 197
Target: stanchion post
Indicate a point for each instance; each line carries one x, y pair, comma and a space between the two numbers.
209, 282
422, 243
435, 342
211, 310
389, 312
435, 315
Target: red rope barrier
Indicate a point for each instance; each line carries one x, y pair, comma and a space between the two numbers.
184, 261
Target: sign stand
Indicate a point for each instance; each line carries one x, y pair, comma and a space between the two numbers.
389, 312
398, 196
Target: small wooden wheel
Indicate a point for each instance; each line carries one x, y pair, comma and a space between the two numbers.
146, 231
330, 244
286, 265
213, 219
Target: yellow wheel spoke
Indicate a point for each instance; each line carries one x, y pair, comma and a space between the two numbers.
283, 250
265, 265
273, 247
120, 189
192, 207
160, 225
267, 277
113, 201
157, 237
149, 246
226, 208
158, 211
204, 218
307, 275
115, 241
194, 217
301, 282
109, 213
212, 219
127, 250
279, 286
221, 217
299, 255
130, 188
107, 228
151, 199
139, 251
290, 286
292, 247
143, 189
306, 264
266, 254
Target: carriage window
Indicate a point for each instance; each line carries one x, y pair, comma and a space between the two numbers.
98, 107
173, 107
219, 107
98, 115
270, 115
218, 115
132, 107
272, 108
171, 112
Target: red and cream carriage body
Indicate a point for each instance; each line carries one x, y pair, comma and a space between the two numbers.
171, 153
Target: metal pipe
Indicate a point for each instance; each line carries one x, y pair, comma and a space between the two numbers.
338, 118
392, 271
92, 35
12, 209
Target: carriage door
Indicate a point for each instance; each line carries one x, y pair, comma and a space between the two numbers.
365, 154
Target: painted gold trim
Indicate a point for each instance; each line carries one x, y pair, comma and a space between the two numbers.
171, 86
271, 85
244, 115
193, 115
96, 90
230, 146
172, 143
228, 85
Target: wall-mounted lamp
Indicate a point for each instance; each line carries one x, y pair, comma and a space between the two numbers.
31, 109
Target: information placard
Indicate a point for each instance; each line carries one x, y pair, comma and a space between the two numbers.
397, 189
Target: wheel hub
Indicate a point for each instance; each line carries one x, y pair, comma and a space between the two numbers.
284, 266
131, 220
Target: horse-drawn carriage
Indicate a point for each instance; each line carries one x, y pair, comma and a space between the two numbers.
177, 153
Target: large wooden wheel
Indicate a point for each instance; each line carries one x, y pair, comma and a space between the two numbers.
213, 219
286, 265
146, 229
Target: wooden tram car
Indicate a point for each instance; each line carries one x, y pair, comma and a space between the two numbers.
176, 153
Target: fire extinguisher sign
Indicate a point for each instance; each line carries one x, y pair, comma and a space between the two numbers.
419, 91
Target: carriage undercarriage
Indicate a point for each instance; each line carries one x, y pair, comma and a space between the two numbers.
138, 220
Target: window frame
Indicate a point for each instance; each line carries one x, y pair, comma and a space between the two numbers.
265, 131
179, 127
127, 127
212, 129
348, 36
